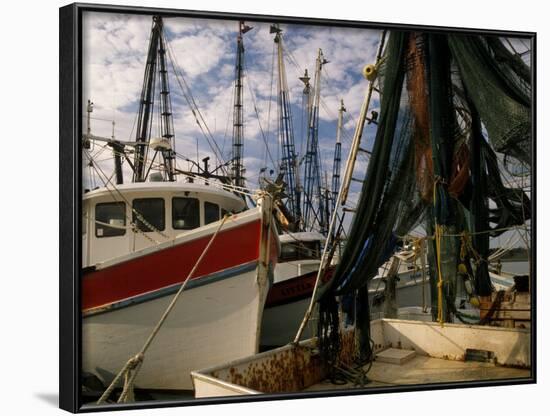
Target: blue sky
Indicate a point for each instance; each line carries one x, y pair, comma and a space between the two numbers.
115, 47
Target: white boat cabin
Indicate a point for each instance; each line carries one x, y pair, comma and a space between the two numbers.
301, 246
140, 215
300, 254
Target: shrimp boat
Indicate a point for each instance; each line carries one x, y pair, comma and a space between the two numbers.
142, 240
129, 279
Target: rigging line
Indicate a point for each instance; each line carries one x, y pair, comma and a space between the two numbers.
323, 103
93, 165
210, 140
521, 196
527, 47
503, 249
508, 179
219, 185
346, 137
227, 188
192, 103
511, 228
101, 149
131, 136
247, 78
109, 158
91, 178
315, 213
136, 115
269, 103
345, 134
511, 46
156, 165
227, 123
84, 116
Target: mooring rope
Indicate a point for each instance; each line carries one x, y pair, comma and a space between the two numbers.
136, 361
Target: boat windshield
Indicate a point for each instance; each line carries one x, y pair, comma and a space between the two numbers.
300, 250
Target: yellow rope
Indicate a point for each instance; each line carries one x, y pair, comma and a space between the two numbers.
440, 318
438, 260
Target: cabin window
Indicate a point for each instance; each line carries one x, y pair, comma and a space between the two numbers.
185, 213
300, 250
211, 212
110, 219
148, 214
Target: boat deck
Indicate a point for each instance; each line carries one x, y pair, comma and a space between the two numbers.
428, 370
407, 353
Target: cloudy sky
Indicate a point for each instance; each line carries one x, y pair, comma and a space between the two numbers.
115, 47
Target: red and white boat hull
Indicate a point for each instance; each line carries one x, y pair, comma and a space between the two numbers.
216, 319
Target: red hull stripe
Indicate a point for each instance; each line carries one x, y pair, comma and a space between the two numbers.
169, 266
170, 290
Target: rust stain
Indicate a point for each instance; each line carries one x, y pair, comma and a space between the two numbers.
289, 371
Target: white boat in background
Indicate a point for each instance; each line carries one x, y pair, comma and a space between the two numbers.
413, 291
140, 242
293, 283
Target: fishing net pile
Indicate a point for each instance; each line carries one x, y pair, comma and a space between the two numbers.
448, 104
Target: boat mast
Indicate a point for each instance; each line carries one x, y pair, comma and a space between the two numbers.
312, 168
337, 156
306, 110
238, 133
156, 58
288, 166
118, 147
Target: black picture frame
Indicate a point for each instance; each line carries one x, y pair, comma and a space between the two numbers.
70, 183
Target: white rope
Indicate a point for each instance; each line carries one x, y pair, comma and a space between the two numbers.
136, 361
